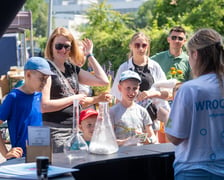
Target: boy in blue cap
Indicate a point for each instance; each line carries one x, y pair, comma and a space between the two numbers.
129, 119
22, 106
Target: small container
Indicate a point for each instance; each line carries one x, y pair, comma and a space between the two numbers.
42, 163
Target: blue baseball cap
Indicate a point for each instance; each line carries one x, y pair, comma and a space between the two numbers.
40, 64
129, 75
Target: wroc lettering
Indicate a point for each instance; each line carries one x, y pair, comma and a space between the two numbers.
208, 104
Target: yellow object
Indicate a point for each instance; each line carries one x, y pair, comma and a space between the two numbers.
100, 89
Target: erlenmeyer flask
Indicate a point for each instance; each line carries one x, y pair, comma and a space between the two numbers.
75, 146
103, 140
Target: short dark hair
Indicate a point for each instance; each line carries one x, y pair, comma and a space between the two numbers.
177, 29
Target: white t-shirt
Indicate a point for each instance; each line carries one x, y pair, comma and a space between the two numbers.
197, 116
128, 120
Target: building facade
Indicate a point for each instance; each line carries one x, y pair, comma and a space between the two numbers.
71, 13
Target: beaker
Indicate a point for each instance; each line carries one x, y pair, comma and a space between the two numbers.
75, 146
103, 140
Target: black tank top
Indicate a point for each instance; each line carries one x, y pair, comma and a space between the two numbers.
146, 76
59, 90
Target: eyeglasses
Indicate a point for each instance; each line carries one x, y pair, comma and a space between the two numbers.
138, 45
177, 37
59, 46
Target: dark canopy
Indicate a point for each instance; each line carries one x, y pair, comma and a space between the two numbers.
8, 11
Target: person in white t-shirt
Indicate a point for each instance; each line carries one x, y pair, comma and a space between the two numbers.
196, 121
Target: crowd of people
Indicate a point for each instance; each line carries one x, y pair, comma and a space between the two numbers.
193, 120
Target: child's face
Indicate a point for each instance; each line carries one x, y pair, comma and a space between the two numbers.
37, 80
129, 89
87, 127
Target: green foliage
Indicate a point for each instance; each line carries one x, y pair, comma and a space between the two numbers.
209, 14
39, 9
110, 33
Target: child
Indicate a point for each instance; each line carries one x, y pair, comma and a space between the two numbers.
130, 120
22, 106
87, 122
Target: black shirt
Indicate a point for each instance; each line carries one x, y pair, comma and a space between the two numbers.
60, 90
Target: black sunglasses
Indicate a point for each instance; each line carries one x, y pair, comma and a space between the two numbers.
59, 46
175, 38
138, 45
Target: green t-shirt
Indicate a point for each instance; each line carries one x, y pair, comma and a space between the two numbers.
166, 61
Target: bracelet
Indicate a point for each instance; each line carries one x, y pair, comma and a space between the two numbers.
90, 54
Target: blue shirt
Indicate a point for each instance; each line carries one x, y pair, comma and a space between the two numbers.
21, 110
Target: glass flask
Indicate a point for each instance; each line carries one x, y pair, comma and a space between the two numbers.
103, 140
75, 146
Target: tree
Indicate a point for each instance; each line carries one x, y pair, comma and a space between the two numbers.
208, 14
39, 11
109, 31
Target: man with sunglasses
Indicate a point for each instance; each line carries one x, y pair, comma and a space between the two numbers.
175, 56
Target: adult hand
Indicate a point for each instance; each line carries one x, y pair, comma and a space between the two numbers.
148, 94
80, 97
16, 152
87, 46
163, 114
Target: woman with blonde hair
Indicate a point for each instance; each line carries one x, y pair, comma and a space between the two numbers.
65, 58
196, 124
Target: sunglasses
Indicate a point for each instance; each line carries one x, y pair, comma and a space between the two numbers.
59, 46
175, 38
138, 45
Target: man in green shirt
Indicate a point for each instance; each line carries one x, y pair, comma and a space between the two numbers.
175, 57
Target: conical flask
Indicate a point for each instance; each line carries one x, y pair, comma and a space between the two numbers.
75, 146
103, 140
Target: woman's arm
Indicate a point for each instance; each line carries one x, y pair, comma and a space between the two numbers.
51, 105
166, 95
99, 78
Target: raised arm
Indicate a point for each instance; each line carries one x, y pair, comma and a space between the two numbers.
99, 78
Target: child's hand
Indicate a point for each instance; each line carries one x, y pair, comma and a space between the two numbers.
16, 152
104, 97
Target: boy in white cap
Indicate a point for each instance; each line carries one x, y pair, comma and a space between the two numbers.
22, 106
129, 119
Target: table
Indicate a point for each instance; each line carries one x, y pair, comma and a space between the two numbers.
153, 161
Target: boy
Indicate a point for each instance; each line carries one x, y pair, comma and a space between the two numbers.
129, 119
22, 106
87, 122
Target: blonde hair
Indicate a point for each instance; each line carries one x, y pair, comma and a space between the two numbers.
76, 56
209, 45
136, 36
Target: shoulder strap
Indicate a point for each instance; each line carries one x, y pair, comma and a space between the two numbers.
62, 77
